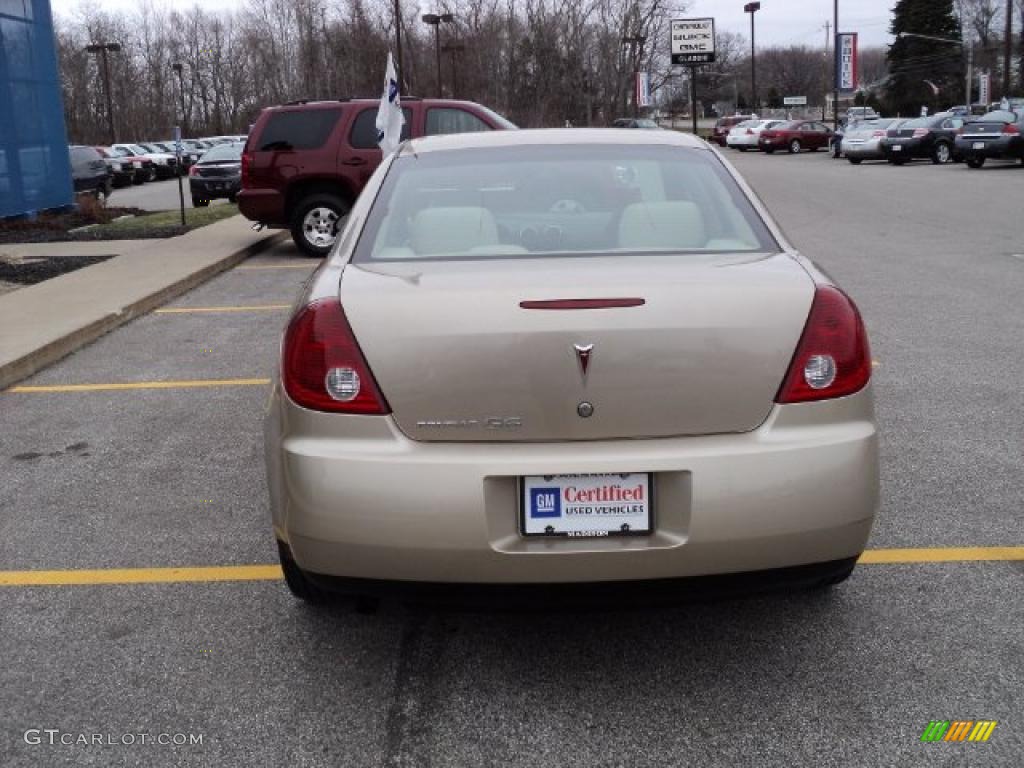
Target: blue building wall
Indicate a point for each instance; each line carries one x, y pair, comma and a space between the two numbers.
35, 172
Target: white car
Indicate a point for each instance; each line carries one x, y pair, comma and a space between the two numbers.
746, 135
166, 165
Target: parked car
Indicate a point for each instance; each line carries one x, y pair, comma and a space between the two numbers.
305, 163
145, 169
747, 135
795, 136
164, 164
864, 140
725, 124
636, 122
218, 174
188, 155
450, 404
929, 138
860, 113
997, 135
122, 169
89, 172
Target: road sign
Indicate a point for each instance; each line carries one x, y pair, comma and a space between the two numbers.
794, 101
693, 41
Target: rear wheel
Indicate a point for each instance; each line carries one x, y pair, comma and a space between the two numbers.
942, 153
975, 162
315, 222
855, 160
794, 147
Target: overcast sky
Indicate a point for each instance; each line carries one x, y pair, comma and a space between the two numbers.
779, 22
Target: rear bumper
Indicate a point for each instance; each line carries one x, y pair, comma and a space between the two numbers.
263, 205
1009, 147
213, 188
908, 148
864, 151
354, 498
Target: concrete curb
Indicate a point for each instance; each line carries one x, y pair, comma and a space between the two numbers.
27, 365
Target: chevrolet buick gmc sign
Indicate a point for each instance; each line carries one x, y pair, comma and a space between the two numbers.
693, 41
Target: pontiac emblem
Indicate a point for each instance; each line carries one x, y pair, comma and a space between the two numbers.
583, 352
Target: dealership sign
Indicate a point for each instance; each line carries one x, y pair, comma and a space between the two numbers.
846, 61
984, 88
643, 89
693, 41
794, 101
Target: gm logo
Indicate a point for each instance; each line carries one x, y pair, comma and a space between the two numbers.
545, 502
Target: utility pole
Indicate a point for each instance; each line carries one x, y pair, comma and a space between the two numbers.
835, 67
828, 29
1007, 49
102, 49
753, 8
453, 49
398, 43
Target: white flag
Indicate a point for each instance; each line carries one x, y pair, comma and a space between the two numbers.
389, 115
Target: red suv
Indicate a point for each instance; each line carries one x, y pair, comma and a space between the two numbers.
305, 163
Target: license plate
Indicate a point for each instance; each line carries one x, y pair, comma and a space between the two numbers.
979, 145
897, 148
586, 505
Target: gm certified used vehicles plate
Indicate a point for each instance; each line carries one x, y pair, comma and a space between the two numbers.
556, 358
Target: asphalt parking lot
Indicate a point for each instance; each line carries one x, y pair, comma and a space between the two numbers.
171, 476
155, 196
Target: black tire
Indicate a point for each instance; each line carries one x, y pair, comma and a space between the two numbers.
197, 203
153, 175
795, 147
108, 187
312, 220
232, 198
973, 161
942, 153
300, 586
897, 161
855, 160
742, 149
769, 150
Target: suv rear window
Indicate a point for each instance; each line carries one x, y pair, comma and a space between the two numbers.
300, 129
364, 128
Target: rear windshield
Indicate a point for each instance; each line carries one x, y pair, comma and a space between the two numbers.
84, 155
298, 129
521, 202
999, 116
223, 152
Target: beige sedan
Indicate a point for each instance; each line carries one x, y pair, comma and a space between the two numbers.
542, 358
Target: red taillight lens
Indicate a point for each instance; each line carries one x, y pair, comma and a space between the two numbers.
246, 159
322, 367
877, 134
833, 358
1011, 128
919, 132
193, 170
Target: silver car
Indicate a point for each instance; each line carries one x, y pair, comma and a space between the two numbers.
550, 358
863, 141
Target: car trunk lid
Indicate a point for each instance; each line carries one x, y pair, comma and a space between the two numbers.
458, 358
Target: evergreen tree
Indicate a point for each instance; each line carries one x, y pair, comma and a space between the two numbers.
916, 64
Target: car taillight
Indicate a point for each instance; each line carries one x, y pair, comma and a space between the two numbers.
749, 132
877, 134
193, 170
919, 132
246, 159
1010, 128
322, 367
833, 358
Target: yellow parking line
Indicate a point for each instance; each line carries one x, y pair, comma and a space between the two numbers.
273, 572
190, 310
942, 555
142, 385
281, 266
139, 575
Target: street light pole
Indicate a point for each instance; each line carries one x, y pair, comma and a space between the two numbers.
753, 8
102, 49
434, 20
453, 49
835, 66
176, 66
1007, 49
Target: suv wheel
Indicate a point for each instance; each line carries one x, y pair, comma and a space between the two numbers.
794, 147
315, 223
